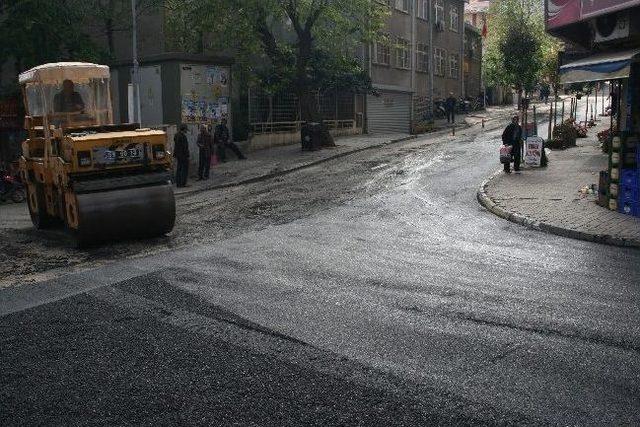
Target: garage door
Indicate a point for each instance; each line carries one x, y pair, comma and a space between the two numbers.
389, 113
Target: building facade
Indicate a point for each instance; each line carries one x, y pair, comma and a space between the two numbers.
420, 60
473, 86
476, 14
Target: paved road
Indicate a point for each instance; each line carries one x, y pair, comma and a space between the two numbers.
369, 291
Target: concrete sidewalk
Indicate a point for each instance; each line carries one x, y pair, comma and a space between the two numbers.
549, 199
276, 161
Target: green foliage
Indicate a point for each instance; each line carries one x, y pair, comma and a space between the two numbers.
180, 33
105, 18
519, 52
33, 32
297, 45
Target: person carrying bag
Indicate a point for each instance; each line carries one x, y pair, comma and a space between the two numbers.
512, 142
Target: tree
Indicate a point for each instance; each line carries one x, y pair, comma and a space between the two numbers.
299, 45
33, 32
106, 18
519, 52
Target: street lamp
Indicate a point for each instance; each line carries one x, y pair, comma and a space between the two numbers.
136, 73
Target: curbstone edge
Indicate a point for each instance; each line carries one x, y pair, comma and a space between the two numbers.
488, 203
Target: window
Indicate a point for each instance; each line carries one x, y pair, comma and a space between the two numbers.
438, 61
454, 65
403, 53
423, 9
403, 5
381, 53
422, 57
470, 46
439, 11
454, 15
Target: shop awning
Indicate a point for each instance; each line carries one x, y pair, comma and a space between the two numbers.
603, 66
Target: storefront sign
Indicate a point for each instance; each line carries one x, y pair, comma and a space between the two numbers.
591, 8
561, 13
533, 154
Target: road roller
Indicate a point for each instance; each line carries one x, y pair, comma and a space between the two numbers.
101, 181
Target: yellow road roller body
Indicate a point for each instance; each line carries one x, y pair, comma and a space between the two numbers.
102, 181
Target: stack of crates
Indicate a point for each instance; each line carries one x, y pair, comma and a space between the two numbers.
629, 182
613, 190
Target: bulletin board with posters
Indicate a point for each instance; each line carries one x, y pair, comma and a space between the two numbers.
205, 93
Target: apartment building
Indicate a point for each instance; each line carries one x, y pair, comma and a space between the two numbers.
420, 60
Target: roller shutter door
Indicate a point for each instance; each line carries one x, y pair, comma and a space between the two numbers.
389, 113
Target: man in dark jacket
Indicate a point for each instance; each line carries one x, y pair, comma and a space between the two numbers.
181, 154
450, 108
222, 140
205, 144
512, 136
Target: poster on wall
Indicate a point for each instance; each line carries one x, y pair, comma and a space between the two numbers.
205, 91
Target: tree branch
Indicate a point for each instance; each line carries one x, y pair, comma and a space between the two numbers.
317, 7
267, 38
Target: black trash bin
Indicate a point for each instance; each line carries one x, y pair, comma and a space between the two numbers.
311, 136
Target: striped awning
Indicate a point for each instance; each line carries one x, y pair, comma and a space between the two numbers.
602, 66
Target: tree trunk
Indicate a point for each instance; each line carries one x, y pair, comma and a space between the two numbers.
309, 109
110, 41
519, 98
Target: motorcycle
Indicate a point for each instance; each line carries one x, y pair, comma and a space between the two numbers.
11, 188
461, 106
439, 110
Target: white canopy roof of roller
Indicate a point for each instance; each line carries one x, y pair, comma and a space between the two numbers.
56, 73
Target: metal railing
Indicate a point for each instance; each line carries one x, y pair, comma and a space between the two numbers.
294, 126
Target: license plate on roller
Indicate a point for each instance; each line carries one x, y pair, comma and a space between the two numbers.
120, 155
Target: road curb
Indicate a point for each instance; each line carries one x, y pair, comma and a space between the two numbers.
487, 202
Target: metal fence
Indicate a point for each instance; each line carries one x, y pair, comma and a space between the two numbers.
422, 110
280, 113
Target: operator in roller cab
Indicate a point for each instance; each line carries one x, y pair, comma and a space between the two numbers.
68, 100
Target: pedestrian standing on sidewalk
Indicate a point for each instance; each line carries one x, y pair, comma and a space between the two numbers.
512, 136
181, 154
223, 141
450, 108
205, 144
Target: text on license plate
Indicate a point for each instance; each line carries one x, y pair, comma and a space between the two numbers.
118, 155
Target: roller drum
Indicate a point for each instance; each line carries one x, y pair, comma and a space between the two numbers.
125, 214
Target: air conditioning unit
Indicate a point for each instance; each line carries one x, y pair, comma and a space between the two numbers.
439, 25
613, 26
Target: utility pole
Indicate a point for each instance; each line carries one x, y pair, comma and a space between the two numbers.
136, 71
431, 59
